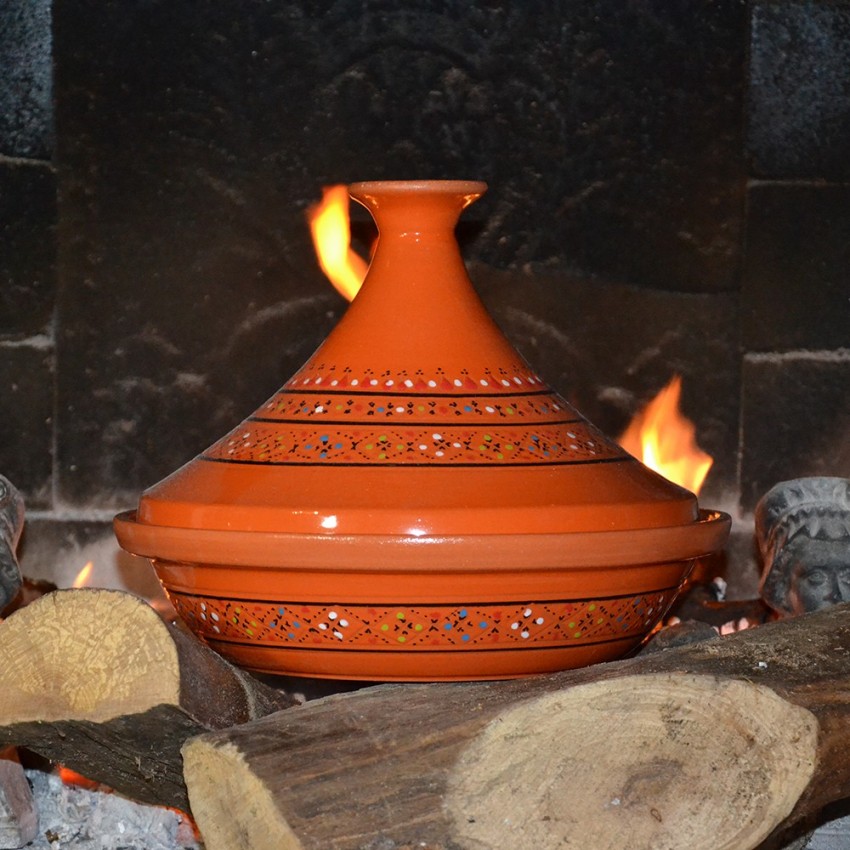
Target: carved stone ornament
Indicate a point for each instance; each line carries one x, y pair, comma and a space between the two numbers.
11, 525
803, 532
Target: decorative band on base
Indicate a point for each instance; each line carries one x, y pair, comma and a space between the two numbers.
422, 628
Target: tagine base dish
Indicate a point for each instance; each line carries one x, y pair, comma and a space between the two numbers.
340, 618
379, 666
381, 640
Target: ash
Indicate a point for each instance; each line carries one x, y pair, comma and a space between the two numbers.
72, 818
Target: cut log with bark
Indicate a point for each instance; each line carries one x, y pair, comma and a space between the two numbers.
713, 746
18, 817
96, 680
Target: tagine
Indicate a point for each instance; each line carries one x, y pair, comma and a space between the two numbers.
415, 503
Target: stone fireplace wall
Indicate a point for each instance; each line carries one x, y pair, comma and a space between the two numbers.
669, 194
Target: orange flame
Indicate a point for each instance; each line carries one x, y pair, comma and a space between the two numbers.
665, 440
83, 575
329, 224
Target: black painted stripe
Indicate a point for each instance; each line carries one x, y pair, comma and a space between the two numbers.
466, 650
624, 458
520, 603
400, 423
426, 393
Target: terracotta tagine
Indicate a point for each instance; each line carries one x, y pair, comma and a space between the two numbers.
415, 503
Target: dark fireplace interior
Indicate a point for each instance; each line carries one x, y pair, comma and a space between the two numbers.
668, 195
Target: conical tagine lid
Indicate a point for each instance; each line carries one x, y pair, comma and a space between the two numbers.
416, 418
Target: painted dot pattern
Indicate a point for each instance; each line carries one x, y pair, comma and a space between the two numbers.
262, 442
508, 379
328, 415
538, 624
326, 407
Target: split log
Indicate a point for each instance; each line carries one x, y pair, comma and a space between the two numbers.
97, 681
709, 746
18, 817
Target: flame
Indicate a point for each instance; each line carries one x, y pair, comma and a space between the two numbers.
84, 575
71, 777
329, 224
665, 440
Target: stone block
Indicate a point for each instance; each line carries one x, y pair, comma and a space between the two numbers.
799, 91
26, 84
27, 248
795, 420
795, 289
26, 420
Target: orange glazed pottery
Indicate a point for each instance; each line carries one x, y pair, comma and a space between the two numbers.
415, 503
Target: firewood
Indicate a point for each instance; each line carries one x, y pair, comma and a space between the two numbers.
97, 681
18, 817
713, 745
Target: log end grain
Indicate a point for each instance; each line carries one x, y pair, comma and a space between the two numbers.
232, 807
658, 761
85, 654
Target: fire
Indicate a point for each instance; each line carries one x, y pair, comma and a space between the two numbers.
84, 575
665, 441
329, 224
